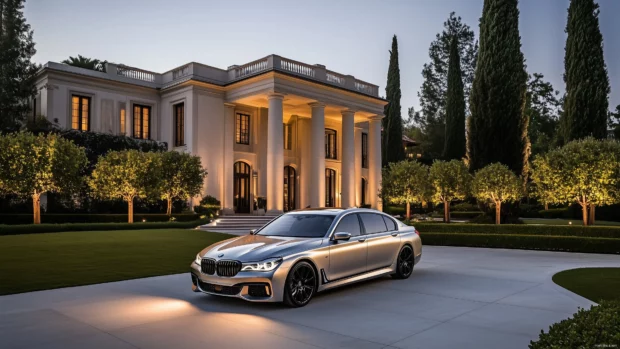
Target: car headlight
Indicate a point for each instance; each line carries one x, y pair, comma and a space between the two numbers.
266, 265
198, 259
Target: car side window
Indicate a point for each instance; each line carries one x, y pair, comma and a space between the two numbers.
391, 225
373, 223
349, 224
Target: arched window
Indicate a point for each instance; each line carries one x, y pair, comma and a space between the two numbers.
241, 187
331, 151
290, 185
330, 188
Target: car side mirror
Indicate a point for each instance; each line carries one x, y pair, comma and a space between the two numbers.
342, 236
253, 231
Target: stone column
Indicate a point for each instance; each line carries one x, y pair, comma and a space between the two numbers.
229, 158
374, 161
275, 155
305, 165
317, 155
358, 166
347, 171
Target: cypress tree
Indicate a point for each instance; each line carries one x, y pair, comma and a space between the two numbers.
16, 70
585, 74
497, 127
454, 146
392, 143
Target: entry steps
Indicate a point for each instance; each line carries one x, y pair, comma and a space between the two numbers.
237, 224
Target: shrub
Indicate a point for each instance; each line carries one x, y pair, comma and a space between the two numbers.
521, 229
57, 228
465, 206
523, 242
465, 214
209, 206
60, 218
553, 213
596, 327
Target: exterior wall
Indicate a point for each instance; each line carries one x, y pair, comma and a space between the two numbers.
207, 138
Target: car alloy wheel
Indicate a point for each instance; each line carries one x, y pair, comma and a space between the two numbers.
404, 264
300, 285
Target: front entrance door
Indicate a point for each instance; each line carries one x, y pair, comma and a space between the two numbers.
241, 189
290, 182
330, 188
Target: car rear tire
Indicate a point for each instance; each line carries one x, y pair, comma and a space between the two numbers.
300, 285
404, 263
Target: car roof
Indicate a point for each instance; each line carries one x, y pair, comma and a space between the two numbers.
332, 210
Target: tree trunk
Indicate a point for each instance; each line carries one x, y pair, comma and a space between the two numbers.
592, 214
169, 210
584, 213
498, 211
446, 211
130, 209
36, 208
408, 211
546, 206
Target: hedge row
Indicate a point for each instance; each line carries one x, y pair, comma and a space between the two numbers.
519, 229
56, 228
525, 242
95, 218
465, 214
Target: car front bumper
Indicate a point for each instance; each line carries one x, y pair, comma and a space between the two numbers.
254, 286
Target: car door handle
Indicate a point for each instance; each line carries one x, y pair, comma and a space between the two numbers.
361, 240
394, 234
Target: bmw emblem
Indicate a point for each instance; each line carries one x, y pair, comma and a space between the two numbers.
220, 255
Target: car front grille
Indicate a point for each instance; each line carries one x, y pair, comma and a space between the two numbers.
219, 289
207, 266
228, 268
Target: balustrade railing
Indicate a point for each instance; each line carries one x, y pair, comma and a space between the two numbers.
366, 88
135, 73
335, 78
251, 68
180, 72
297, 67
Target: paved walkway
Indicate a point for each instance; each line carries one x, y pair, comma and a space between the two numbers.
456, 298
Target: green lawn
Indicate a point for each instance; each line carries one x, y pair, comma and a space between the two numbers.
595, 284
45, 261
558, 221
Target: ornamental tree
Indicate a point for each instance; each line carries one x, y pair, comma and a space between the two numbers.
406, 182
451, 181
127, 174
496, 184
182, 177
33, 165
584, 171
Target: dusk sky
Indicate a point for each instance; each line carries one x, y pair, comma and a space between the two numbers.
347, 36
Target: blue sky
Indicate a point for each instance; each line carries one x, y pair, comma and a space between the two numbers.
348, 36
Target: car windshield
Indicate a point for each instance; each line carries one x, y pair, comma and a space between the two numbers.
299, 225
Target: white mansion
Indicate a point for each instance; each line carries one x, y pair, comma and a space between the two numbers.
296, 134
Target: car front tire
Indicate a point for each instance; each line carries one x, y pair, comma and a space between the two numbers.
300, 285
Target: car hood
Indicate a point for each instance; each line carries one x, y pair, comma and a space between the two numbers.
255, 248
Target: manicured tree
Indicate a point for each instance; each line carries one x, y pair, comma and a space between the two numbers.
33, 165
585, 74
127, 174
406, 182
451, 181
584, 171
182, 177
454, 147
496, 184
16, 69
392, 149
497, 127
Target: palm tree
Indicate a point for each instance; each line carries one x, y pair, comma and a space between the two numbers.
87, 63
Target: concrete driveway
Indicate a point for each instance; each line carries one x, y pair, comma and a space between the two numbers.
457, 297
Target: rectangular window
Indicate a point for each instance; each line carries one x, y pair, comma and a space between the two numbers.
179, 125
330, 144
242, 129
122, 121
288, 137
80, 113
141, 121
364, 150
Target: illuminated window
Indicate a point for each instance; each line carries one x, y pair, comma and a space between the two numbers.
179, 125
242, 127
122, 121
330, 188
288, 137
364, 150
80, 113
141, 121
330, 144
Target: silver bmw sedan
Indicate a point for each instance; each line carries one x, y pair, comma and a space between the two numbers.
304, 252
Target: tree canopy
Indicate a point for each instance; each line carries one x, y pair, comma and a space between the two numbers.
33, 165
496, 184
451, 181
543, 109
392, 138
406, 182
182, 177
454, 147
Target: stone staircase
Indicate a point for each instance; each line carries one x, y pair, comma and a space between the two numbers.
237, 224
